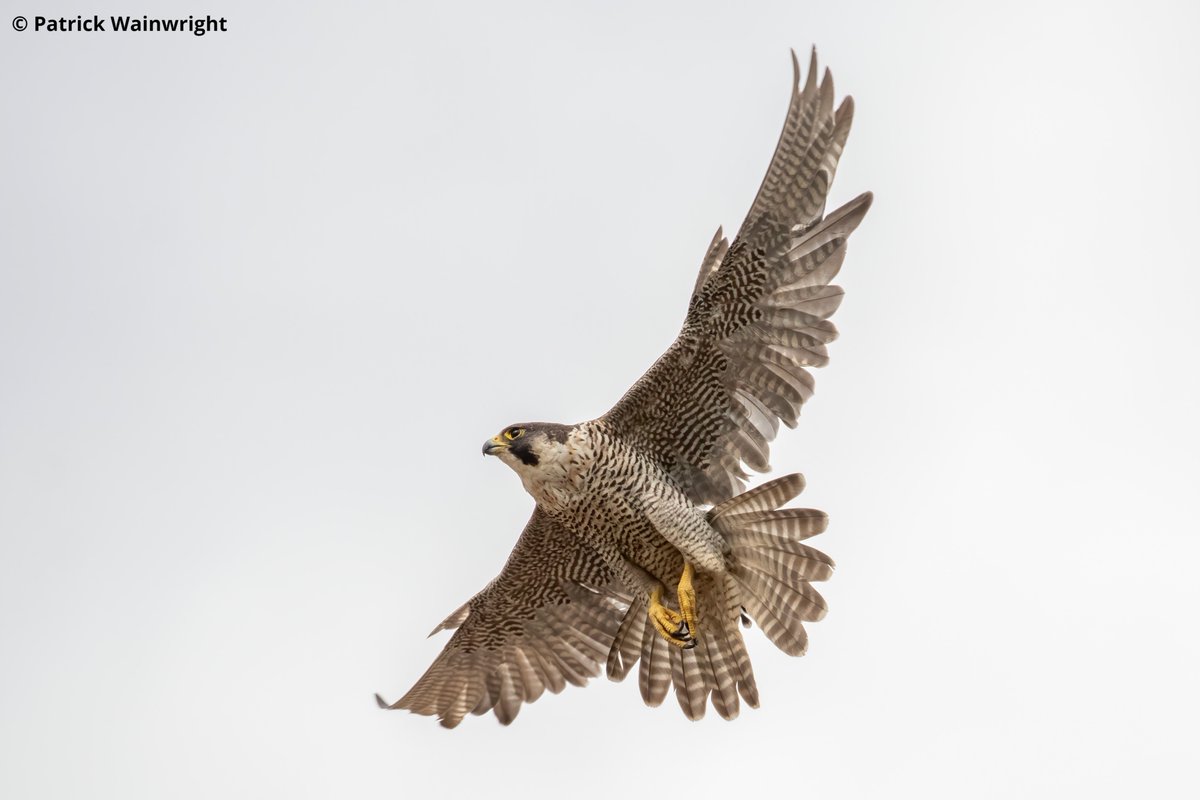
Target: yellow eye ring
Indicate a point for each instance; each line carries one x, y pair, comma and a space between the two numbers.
514, 433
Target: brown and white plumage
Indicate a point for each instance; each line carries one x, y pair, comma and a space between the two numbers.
757, 318
621, 499
542, 623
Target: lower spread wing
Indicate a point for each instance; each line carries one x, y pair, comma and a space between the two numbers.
548, 619
758, 316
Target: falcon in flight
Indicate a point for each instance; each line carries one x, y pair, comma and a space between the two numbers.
643, 545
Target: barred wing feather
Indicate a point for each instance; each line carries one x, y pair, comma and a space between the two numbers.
548, 619
758, 317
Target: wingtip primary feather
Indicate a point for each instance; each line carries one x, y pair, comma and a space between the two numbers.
850, 213
810, 82
455, 619
845, 112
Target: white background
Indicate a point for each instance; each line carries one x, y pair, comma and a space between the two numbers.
263, 294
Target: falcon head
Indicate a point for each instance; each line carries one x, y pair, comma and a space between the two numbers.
529, 446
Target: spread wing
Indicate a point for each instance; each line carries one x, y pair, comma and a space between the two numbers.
548, 619
759, 315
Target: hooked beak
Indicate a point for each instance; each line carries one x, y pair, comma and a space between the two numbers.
494, 445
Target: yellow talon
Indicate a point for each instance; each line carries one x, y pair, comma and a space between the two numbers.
669, 624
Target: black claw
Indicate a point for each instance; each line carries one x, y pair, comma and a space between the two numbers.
684, 634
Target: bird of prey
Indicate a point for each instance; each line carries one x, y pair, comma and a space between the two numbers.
642, 544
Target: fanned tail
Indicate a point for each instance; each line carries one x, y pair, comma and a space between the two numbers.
772, 568
770, 578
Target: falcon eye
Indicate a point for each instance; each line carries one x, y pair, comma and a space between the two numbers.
514, 433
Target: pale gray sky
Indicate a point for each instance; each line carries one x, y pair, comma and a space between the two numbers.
264, 293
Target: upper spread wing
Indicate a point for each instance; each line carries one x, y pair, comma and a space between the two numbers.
758, 315
549, 618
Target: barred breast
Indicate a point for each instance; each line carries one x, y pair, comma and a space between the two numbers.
626, 507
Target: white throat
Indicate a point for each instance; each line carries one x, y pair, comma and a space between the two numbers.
556, 478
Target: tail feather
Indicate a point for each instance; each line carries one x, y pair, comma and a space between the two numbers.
747, 687
628, 644
791, 568
785, 630
688, 668
769, 496
785, 524
726, 651
654, 677
724, 692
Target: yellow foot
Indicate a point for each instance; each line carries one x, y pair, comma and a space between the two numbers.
669, 624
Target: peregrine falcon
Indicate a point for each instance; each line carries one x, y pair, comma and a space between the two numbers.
643, 545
